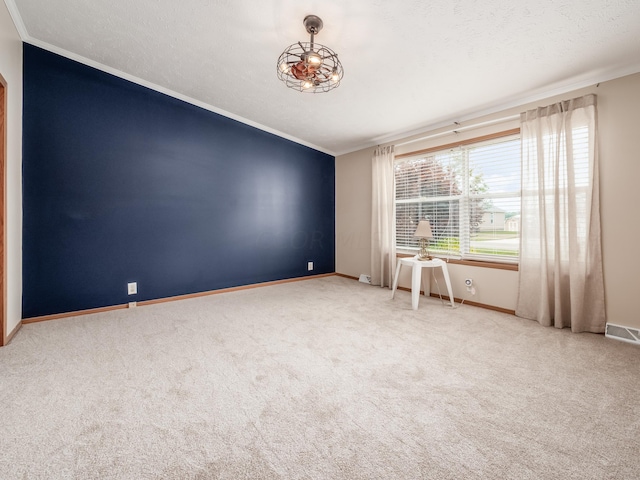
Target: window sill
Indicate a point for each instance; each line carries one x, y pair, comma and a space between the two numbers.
471, 263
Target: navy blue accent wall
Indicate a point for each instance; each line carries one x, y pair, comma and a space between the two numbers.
122, 184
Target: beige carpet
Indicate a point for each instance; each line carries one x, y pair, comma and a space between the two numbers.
319, 379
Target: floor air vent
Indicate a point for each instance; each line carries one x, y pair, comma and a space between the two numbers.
626, 334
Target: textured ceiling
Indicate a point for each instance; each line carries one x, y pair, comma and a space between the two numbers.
409, 64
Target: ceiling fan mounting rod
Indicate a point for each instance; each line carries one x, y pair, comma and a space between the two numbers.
313, 24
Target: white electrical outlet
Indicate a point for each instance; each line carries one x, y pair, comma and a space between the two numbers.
132, 288
133, 304
470, 288
309, 266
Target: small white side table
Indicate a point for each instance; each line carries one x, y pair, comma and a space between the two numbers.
416, 277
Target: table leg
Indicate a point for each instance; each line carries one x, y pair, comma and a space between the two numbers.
426, 281
416, 276
447, 280
395, 280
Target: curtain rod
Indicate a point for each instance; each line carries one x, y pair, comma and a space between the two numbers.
461, 129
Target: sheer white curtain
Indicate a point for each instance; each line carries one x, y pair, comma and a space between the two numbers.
561, 279
383, 218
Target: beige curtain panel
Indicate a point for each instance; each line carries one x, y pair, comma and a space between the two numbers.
383, 217
561, 279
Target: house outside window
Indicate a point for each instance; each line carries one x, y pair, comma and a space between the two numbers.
471, 196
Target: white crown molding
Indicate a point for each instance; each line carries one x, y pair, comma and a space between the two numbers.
557, 89
139, 81
17, 19
24, 35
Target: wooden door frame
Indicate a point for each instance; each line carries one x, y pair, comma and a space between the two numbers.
3, 212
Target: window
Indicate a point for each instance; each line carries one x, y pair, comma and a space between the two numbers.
470, 194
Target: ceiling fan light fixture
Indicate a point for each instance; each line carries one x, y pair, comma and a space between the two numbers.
284, 67
313, 58
310, 66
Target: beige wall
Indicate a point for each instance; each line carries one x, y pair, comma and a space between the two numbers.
619, 121
353, 213
619, 125
11, 71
